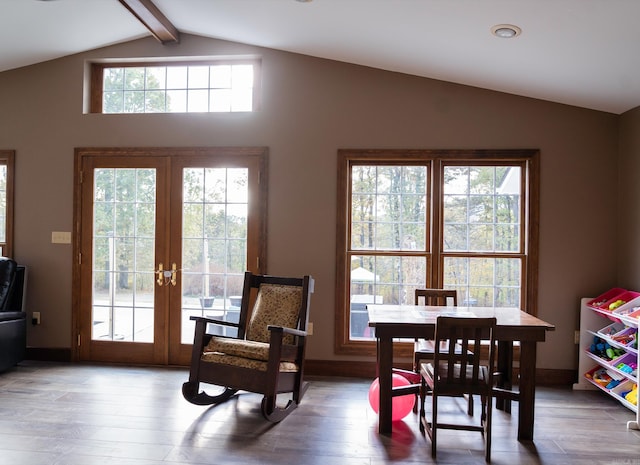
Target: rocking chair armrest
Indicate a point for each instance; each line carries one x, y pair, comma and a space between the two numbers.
285, 330
282, 351
214, 321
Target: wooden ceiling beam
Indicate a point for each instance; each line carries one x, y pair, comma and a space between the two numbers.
153, 19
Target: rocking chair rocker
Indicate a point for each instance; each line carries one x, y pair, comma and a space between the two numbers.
266, 357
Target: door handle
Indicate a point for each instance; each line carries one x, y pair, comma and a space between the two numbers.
166, 277
160, 273
174, 271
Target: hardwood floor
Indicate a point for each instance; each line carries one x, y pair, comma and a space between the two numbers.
76, 414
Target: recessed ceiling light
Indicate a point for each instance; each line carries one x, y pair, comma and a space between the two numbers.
506, 31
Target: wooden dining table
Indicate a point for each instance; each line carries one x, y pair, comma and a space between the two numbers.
418, 321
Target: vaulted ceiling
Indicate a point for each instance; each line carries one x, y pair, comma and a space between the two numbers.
576, 52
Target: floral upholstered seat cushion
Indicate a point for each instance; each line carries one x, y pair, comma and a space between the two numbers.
242, 353
239, 348
217, 357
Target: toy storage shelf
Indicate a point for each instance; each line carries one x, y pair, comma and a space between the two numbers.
609, 326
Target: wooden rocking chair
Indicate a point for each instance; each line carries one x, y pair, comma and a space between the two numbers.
266, 357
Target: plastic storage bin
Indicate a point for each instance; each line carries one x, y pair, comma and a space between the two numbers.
599, 377
603, 299
626, 297
632, 319
628, 307
601, 351
620, 391
627, 363
612, 329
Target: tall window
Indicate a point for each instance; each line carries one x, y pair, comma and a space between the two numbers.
202, 87
6, 202
446, 219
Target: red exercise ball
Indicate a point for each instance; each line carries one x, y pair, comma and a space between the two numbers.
401, 405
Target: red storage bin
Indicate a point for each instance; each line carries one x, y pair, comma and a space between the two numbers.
598, 376
625, 297
610, 296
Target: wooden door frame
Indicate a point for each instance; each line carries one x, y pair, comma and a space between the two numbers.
258, 195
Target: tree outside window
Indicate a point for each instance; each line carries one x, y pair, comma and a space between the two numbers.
175, 87
447, 219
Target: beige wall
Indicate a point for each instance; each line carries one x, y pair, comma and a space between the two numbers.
628, 224
311, 108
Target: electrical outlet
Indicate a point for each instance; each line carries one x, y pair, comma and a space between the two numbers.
35, 318
309, 329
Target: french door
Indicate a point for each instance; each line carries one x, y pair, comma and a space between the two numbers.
163, 234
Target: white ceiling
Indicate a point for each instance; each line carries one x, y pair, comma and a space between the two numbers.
577, 52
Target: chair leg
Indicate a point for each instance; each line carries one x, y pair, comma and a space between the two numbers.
416, 370
422, 396
299, 393
419, 394
487, 428
417, 361
434, 425
483, 412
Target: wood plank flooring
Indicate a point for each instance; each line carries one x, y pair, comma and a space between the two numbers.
77, 414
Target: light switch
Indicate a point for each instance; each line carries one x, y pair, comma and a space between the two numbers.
60, 237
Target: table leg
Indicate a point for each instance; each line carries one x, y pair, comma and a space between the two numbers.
505, 368
385, 362
527, 390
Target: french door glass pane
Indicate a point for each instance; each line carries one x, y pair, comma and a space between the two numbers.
214, 244
484, 282
382, 280
124, 218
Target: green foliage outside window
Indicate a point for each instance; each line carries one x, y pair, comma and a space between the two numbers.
178, 88
214, 230
390, 242
214, 226
124, 228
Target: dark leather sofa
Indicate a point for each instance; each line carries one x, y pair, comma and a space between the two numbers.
13, 321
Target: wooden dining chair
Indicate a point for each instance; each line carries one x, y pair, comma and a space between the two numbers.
423, 348
455, 373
